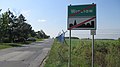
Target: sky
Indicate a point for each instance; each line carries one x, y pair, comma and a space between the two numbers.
51, 16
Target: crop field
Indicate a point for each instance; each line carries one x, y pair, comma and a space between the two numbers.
107, 53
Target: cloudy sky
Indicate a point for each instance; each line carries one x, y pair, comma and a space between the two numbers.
51, 15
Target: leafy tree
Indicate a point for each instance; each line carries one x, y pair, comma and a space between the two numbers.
12, 25
33, 33
14, 28
23, 28
39, 34
4, 22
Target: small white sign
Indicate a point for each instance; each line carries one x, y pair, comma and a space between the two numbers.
93, 32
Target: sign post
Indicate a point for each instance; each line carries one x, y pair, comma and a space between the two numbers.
92, 50
69, 64
93, 32
81, 17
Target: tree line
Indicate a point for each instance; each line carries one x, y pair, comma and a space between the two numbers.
15, 28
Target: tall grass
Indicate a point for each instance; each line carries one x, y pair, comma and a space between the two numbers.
107, 54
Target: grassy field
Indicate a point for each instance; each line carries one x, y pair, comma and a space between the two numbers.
107, 54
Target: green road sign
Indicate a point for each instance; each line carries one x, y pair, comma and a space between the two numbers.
82, 17
82, 10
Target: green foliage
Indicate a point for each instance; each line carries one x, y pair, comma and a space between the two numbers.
3, 46
58, 54
107, 54
39, 39
41, 34
16, 29
6, 40
12, 27
119, 39
8, 45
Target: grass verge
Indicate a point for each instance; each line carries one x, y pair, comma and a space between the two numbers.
107, 54
8, 45
39, 39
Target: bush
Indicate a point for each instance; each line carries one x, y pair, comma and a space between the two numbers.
6, 40
20, 40
31, 39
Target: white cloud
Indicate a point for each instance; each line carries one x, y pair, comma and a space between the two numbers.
39, 20
26, 13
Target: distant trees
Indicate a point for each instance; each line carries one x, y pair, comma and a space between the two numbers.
119, 39
13, 28
41, 34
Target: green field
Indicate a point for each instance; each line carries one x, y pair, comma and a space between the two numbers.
107, 54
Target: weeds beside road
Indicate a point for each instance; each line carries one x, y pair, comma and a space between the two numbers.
107, 54
8, 45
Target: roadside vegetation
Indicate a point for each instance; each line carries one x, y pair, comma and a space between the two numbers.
107, 53
8, 45
15, 30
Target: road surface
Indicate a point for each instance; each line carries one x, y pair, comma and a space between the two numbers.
26, 56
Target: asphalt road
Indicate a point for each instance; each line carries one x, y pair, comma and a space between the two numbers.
25, 56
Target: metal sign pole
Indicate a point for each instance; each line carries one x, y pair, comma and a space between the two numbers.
69, 63
93, 50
